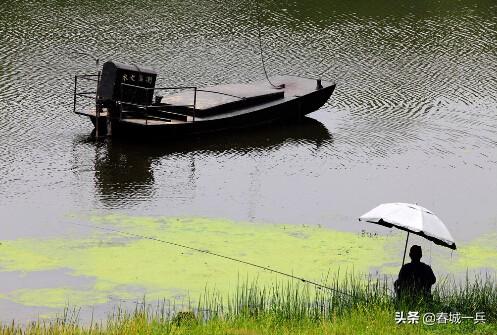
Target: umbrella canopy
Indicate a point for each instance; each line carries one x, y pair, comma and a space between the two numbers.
411, 218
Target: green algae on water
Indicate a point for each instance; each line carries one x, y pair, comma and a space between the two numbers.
479, 253
130, 267
121, 265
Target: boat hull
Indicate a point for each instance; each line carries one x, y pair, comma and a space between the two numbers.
282, 110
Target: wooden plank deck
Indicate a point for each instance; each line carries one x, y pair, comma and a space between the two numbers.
244, 94
220, 96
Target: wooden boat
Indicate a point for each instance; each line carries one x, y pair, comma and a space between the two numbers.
127, 103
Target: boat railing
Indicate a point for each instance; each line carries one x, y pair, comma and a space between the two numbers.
93, 95
131, 102
146, 107
85, 93
88, 94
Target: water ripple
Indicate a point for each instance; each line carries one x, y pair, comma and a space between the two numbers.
410, 84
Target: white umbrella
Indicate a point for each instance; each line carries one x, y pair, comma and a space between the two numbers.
413, 219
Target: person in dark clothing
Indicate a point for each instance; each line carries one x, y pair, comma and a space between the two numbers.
415, 278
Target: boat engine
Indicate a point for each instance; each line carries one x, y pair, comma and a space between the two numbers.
125, 84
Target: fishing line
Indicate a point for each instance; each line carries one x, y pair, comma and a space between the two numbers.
306, 281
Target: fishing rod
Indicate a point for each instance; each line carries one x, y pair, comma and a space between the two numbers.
151, 238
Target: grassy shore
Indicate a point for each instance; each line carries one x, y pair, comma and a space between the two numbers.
351, 306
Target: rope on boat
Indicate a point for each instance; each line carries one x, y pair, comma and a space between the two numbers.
262, 53
261, 49
306, 281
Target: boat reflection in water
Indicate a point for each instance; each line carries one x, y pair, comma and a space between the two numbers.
124, 168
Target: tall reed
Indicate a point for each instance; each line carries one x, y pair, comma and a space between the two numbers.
282, 304
293, 300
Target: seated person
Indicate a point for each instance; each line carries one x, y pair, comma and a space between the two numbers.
415, 278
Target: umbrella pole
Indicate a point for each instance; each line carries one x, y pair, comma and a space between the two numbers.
405, 249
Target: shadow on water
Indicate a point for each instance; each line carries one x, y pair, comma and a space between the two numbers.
124, 168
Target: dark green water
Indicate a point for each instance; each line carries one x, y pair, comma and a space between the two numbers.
413, 119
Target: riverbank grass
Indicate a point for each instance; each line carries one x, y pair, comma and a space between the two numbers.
350, 306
